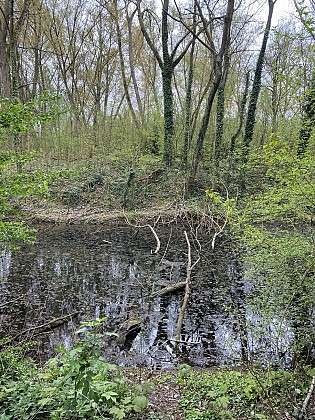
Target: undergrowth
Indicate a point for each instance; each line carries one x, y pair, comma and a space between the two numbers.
247, 394
112, 184
77, 384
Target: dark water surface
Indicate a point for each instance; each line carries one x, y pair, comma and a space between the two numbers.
110, 271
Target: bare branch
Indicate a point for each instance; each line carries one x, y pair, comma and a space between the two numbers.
147, 36
308, 396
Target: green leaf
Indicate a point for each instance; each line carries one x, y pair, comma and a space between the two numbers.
140, 402
119, 413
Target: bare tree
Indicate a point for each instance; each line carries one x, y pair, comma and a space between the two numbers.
217, 70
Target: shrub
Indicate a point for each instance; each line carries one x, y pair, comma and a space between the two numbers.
76, 384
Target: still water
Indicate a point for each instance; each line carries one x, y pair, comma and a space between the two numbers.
94, 271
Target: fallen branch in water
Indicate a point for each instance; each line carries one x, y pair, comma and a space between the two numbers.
158, 242
189, 269
168, 289
3, 305
46, 327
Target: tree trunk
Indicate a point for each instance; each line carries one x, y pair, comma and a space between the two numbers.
4, 61
204, 126
167, 75
115, 16
188, 125
225, 42
220, 109
132, 64
167, 64
251, 113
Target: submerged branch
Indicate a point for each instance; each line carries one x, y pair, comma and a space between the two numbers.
190, 267
46, 327
158, 243
168, 289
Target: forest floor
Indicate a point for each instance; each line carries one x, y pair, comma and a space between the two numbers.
112, 193
165, 394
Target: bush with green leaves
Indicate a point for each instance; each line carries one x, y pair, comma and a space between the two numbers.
235, 394
18, 118
272, 227
77, 384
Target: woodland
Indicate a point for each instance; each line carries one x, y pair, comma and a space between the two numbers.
199, 110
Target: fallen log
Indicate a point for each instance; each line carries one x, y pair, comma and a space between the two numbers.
189, 269
168, 289
43, 328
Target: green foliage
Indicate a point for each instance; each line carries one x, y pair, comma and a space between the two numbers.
282, 184
16, 186
77, 384
14, 233
230, 394
273, 225
17, 117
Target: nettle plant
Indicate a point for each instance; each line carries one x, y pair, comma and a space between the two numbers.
76, 384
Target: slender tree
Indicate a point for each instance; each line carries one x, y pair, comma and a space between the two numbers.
253, 100
11, 24
242, 107
5, 88
217, 70
188, 102
221, 109
167, 62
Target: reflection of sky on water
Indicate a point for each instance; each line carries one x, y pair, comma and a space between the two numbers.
73, 270
5, 262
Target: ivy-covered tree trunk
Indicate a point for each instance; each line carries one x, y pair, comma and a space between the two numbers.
251, 113
220, 124
167, 64
308, 120
188, 128
167, 75
5, 89
221, 109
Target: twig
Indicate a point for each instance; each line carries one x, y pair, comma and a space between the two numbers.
3, 305
158, 243
61, 320
308, 396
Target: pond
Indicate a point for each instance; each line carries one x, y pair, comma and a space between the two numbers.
84, 272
